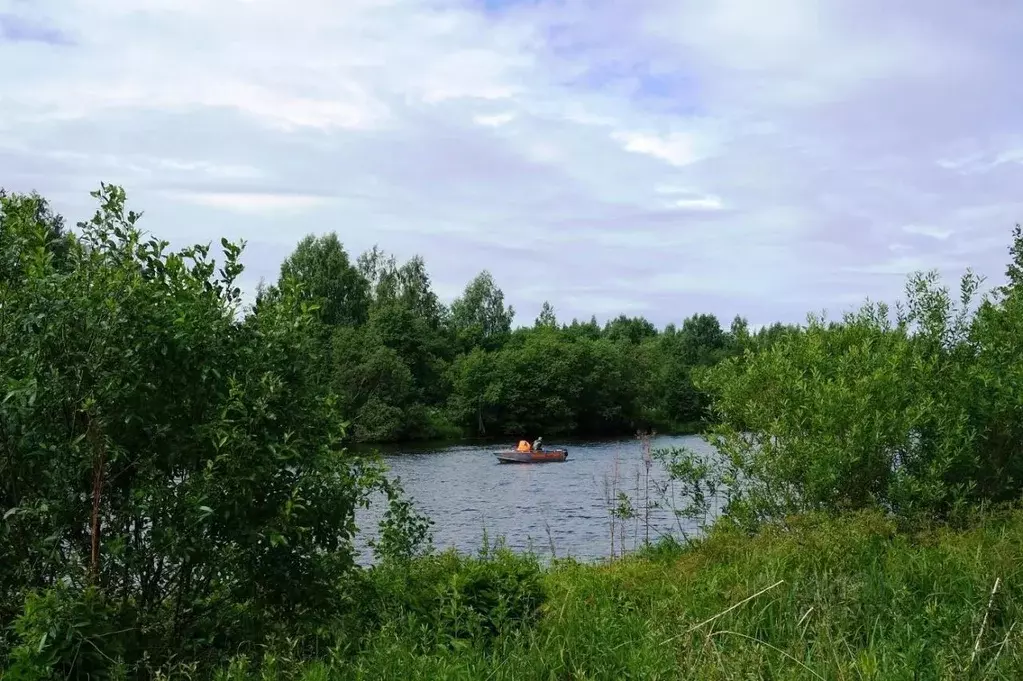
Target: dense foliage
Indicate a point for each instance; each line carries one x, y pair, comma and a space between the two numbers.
171, 477
914, 410
406, 367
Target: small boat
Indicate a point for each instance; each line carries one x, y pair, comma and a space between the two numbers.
513, 456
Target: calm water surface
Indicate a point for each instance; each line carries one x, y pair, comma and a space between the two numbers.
466, 492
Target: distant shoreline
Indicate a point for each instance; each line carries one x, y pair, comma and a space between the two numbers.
445, 443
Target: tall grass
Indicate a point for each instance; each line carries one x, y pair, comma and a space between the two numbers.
816, 598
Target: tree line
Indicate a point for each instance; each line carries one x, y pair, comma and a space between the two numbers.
407, 367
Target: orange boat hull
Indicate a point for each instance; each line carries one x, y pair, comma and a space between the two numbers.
532, 457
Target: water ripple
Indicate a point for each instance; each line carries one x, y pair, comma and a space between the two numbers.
464, 490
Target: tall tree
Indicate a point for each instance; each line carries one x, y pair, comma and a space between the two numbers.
374, 383
415, 290
738, 334
328, 277
629, 329
1014, 270
479, 317
584, 330
26, 218
374, 264
407, 317
547, 318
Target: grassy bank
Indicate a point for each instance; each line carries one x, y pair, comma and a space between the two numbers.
847, 598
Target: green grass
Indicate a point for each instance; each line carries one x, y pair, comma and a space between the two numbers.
848, 598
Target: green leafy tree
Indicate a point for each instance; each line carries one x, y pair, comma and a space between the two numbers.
994, 345
374, 265
374, 384
19, 218
1014, 271
610, 376
541, 378
406, 325
329, 279
739, 336
767, 336
479, 318
408, 286
584, 330
547, 318
477, 392
629, 329
167, 472
910, 412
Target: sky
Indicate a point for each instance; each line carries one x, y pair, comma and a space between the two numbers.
647, 157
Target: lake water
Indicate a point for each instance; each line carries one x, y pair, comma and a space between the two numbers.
561, 506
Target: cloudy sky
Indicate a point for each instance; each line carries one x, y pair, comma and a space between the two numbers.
654, 157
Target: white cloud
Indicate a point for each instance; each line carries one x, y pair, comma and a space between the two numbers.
905, 265
668, 156
689, 199
702, 203
929, 231
677, 148
494, 120
251, 203
1014, 155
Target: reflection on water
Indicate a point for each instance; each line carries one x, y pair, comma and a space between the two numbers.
532, 506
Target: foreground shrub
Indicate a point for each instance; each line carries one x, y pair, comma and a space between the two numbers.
448, 599
171, 483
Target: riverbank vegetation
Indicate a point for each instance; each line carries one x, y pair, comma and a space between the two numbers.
176, 499
405, 367
821, 598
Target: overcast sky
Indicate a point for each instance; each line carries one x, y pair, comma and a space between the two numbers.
654, 157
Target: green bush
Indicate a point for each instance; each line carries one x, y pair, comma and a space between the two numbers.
912, 412
69, 633
448, 599
163, 464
